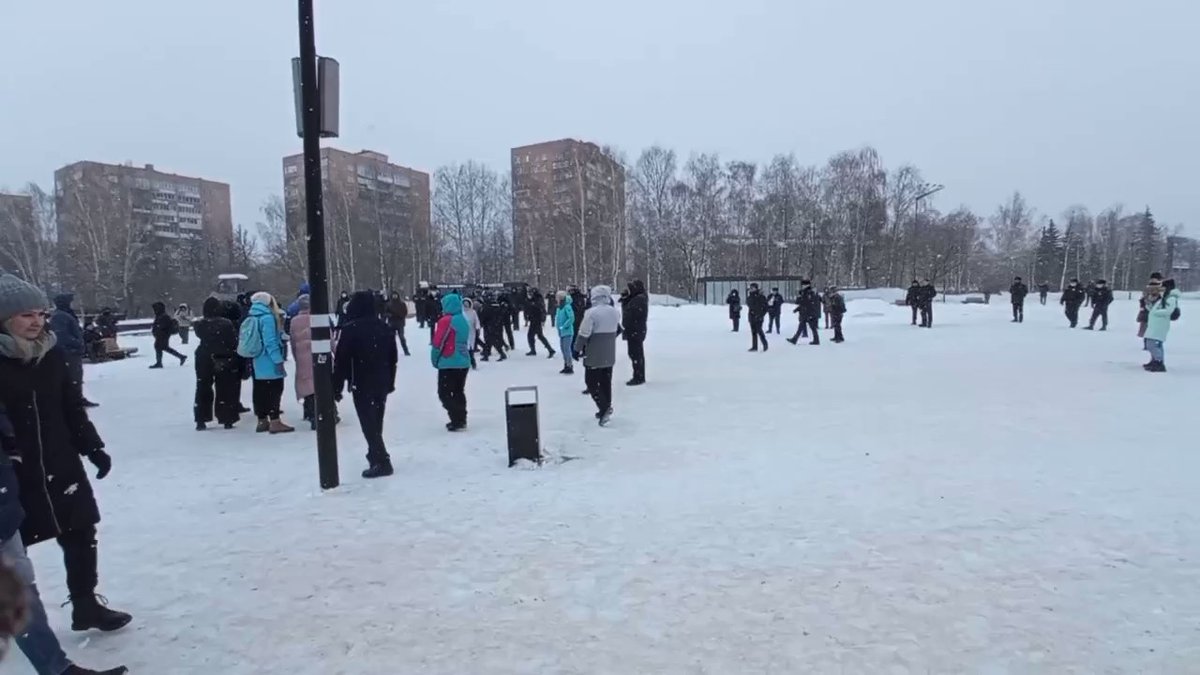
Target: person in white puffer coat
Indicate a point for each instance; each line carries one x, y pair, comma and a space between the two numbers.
597, 340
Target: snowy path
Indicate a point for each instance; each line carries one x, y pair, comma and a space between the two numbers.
979, 498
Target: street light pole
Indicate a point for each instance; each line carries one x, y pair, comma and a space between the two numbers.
318, 278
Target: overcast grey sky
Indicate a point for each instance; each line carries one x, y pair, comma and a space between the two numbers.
1071, 101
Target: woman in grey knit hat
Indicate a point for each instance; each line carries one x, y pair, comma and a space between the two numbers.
52, 433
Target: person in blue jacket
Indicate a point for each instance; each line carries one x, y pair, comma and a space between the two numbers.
564, 320
450, 353
1160, 311
294, 308
64, 323
269, 371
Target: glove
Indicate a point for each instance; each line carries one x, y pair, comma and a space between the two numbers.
280, 369
102, 462
337, 397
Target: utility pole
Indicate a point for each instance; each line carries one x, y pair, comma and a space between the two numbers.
318, 276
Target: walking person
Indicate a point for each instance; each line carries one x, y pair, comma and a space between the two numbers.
183, 320
505, 302
774, 309
579, 303
261, 340
1043, 291
835, 309
1102, 297
597, 340
1072, 298
808, 307
65, 324
1017, 293
913, 299
757, 303
451, 358
534, 307
927, 293
635, 310
218, 368
1161, 310
397, 316
365, 360
734, 300
162, 329
476, 328
551, 309
564, 320
492, 316
52, 434
433, 311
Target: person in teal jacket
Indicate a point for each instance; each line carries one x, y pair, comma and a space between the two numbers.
1158, 323
564, 320
452, 358
268, 364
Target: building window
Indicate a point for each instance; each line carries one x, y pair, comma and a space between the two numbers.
291, 169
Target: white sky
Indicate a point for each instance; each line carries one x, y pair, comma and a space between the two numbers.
1070, 101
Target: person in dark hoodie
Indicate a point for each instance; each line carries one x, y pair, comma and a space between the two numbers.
926, 295
65, 324
551, 308
218, 368
397, 316
757, 303
343, 300
366, 359
1071, 299
635, 310
162, 330
913, 299
1017, 293
808, 310
835, 309
734, 300
579, 305
774, 310
1102, 297
492, 316
534, 307
52, 435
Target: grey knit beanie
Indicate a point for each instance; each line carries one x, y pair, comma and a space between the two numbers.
17, 296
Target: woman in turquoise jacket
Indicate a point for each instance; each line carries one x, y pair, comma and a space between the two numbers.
268, 364
1158, 324
451, 355
564, 320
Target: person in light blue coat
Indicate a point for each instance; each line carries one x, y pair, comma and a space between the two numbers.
564, 320
1159, 313
268, 367
449, 352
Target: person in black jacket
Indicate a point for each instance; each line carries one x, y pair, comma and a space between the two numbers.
52, 435
579, 305
343, 300
493, 317
1102, 297
913, 299
734, 300
504, 300
1072, 298
162, 330
396, 311
1018, 291
366, 359
808, 309
551, 308
635, 313
517, 301
774, 309
65, 324
218, 368
925, 295
1043, 291
757, 304
835, 309
535, 306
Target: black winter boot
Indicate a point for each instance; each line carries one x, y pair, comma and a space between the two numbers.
88, 612
77, 670
378, 470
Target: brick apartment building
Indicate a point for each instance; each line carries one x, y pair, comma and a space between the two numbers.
129, 235
377, 219
568, 201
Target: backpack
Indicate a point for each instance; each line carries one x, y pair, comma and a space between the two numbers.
446, 347
250, 339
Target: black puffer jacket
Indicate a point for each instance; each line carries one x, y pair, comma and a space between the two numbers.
52, 433
635, 311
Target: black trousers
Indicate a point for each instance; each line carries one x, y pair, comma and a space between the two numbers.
737, 321
1099, 312
164, 346
535, 331
370, 409
927, 315
837, 327
773, 323
550, 318
493, 340
599, 385
75, 367
806, 325
184, 333
400, 334
915, 309
756, 333
216, 392
452, 391
268, 395
637, 358
1073, 314
508, 333
1018, 311
80, 558
1042, 296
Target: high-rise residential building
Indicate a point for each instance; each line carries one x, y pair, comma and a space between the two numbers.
130, 234
568, 202
377, 219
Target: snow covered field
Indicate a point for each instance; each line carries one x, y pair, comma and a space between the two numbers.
983, 497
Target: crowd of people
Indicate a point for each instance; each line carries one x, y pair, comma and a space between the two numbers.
810, 306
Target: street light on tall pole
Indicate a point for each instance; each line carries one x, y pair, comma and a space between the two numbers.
927, 190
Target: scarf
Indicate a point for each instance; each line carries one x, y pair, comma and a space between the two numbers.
27, 351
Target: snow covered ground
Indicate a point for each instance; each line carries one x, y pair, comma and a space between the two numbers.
982, 497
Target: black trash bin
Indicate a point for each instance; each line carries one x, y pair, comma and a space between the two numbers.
524, 437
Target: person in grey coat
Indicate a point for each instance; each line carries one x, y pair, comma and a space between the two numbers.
597, 340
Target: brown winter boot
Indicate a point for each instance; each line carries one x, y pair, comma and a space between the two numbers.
263, 426
278, 427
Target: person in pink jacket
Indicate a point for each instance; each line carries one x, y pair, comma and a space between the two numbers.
301, 339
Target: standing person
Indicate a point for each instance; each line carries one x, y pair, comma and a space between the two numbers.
597, 339
366, 359
300, 329
1043, 291
551, 308
578, 304
534, 319
52, 434
913, 299
1088, 292
564, 320
162, 330
107, 323
517, 302
808, 307
1152, 291
433, 310
183, 319
472, 317
397, 316
635, 311
835, 309
828, 317
1072, 298
65, 324
1017, 293
449, 354
493, 316
1102, 297
1161, 310
927, 293
505, 302
218, 368
261, 340
734, 300
294, 308
343, 300
757, 303
774, 309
